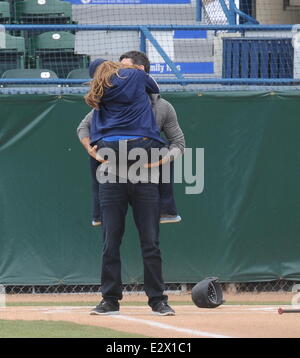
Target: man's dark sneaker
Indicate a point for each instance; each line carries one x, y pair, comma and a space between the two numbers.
106, 308
163, 309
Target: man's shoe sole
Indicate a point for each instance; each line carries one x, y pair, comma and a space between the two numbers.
110, 313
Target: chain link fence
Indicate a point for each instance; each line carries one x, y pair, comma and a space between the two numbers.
171, 288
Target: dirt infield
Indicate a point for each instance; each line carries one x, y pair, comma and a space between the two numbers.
244, 298
253, 319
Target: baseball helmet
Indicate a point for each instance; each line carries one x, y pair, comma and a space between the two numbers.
208, 293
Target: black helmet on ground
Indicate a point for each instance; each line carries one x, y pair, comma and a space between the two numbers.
208, 293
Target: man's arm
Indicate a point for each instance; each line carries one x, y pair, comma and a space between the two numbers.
171, 128
83, 132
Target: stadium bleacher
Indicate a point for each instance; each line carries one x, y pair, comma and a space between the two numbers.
5, 15
197, 54
92, 44
55, 50
191, 51
34, 50
181, 49
43, 12
78, 74
12, 55
28, 73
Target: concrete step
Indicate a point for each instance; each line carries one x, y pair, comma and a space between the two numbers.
135, 15
193, 50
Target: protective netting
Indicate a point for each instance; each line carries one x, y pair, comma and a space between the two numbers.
190, 43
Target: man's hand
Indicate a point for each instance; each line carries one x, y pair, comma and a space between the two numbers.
169, 157
157, 164
92, 151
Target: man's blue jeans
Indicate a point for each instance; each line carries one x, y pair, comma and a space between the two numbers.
144, 199
166, 192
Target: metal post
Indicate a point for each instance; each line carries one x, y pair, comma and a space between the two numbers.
199, 10
232, 13
236, 11
162, 52
226, 11
143, 46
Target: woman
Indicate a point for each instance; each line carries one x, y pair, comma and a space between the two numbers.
169, 203
118, 93
122, 109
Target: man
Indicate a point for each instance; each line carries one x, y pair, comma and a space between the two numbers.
166, 119
145, 201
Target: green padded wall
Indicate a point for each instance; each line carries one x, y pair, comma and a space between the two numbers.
244, 226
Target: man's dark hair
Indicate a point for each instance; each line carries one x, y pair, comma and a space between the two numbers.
138, 58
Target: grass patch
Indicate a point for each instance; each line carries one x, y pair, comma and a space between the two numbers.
58, 329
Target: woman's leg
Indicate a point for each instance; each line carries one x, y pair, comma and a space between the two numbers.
166, 192
168, 210
96, 212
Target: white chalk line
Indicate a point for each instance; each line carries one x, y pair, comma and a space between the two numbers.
171, 328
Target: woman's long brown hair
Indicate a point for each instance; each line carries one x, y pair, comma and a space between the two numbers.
102, 80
